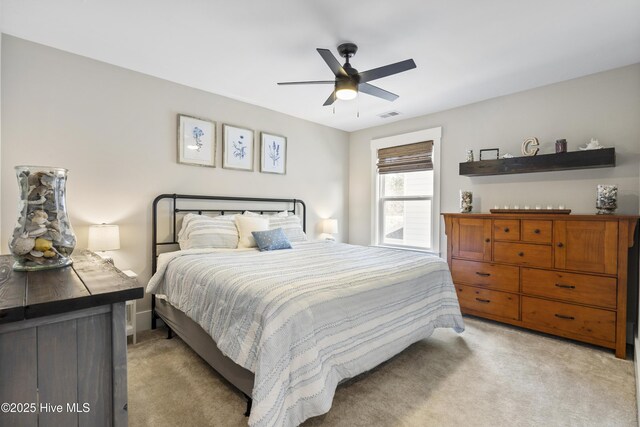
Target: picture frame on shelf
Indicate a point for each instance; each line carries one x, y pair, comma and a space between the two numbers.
238, 146
490, 154
196, 141
273, 153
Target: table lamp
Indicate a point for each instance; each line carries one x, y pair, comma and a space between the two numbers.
104, 237
330, 226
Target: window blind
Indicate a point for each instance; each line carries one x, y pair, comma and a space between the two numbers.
405, 158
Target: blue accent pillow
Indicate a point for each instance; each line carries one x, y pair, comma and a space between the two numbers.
271, 240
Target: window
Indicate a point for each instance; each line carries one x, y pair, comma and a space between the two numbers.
406, 204
405, 209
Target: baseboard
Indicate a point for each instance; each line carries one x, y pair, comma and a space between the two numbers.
143, 320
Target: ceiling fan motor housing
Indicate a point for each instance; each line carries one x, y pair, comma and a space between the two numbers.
347, 50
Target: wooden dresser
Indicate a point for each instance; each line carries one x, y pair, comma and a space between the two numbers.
63, 344
561, 274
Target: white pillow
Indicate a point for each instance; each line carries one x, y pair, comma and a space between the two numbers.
282, 214
247, 224
291, 226
185, 222
200, 231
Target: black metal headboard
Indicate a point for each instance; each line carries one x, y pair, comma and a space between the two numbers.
184, 203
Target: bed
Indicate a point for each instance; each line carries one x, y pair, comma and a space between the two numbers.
286, 327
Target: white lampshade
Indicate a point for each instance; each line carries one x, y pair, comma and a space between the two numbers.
330, 226
104, 237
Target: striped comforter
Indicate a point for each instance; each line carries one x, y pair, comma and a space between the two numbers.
304, 319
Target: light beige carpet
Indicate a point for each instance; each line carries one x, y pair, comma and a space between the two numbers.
490, 375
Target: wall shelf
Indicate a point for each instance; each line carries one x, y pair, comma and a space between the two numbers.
603, 158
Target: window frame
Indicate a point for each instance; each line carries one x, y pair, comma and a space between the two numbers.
432, 134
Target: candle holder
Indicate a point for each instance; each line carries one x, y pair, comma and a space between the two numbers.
469, 155
561, 146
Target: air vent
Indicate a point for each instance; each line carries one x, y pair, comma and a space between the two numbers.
388, 114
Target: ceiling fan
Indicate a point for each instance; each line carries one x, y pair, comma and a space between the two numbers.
349, 81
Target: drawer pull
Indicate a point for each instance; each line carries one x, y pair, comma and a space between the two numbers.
486, 301
560, 244
506, 229
483, 274
520, 253
560, 285
562, 316
536, 231
487, 240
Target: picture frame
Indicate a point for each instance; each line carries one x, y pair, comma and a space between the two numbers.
196, 141
273, 153
238, 146
490, 154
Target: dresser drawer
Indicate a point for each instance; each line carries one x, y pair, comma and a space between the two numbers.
522, 253
537, 231
506, 229
495, 303
581, 288
588, 322
494, 276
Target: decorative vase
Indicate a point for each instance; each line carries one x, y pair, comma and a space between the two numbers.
466, 198
43, 237
606, 199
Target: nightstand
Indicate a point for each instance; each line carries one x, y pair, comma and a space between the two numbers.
131, 309
63, 342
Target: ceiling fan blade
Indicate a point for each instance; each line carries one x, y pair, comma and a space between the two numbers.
332, 62
387, 70
313, 82
376, 91
331, 99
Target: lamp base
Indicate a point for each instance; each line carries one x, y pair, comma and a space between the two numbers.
105, 257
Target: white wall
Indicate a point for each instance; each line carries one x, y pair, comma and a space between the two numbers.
115, 130
604, 105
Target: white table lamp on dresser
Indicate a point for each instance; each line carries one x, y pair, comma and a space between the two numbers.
104, 237
330, 227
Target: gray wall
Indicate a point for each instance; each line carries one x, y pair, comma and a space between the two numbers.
605, 106
115, 130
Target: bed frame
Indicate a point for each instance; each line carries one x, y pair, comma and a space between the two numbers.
188, 330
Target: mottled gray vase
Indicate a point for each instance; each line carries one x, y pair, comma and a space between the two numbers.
43, 237
466, 201
607, 199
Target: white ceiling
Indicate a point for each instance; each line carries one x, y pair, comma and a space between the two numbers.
466, 50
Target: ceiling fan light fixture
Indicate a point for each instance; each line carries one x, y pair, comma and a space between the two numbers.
349, 81
346, 89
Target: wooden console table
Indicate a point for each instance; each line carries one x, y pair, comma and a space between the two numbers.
63, 345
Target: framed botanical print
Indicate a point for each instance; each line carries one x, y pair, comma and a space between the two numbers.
237, 148
196, 141
273, 153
